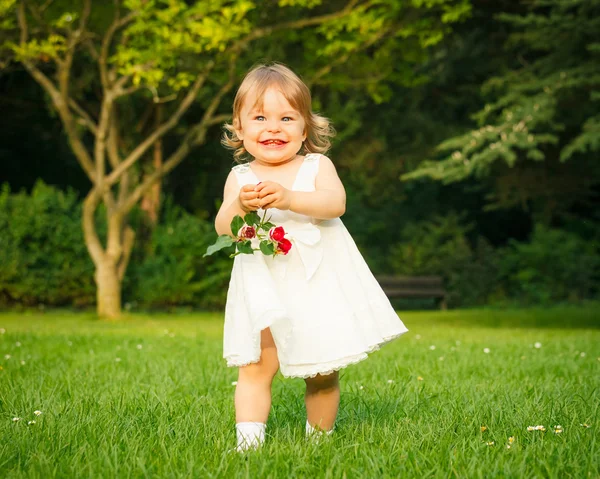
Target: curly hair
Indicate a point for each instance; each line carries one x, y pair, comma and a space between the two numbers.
262, 77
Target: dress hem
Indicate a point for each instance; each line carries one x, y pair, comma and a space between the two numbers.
335, 365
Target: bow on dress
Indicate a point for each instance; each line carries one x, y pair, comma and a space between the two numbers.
306, 239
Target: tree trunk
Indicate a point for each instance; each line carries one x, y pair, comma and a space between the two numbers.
151, 199
108, 293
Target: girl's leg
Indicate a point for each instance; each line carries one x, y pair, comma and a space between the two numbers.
322, 400
253, 390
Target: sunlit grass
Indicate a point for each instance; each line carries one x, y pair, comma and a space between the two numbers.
150, 396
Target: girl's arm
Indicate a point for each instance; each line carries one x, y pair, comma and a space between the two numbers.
326, 202
230, 207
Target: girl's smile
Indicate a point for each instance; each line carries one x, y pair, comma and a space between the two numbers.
274, 144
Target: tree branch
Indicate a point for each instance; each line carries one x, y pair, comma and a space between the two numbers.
60, 103
106, 42
215, 120
194, 136
296, 24
136, 154
85, 118
128, 240
197, 134
89, 228
344, 58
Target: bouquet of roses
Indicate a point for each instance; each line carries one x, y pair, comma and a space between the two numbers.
270, 237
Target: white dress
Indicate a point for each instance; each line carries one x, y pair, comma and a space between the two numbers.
324, 307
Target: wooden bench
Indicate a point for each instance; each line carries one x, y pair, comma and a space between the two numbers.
414, 287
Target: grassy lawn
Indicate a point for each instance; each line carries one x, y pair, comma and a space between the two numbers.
150, 396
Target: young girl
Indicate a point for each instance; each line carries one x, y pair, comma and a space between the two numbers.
316, 308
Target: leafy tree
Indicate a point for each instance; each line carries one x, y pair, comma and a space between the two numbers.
540, 126
103, 65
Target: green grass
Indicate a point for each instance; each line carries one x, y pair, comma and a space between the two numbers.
165, 409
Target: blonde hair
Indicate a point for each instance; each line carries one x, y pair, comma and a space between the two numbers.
259, 79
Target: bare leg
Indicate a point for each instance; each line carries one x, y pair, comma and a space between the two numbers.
322, 400
253, 390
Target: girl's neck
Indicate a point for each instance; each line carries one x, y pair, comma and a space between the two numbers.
261, 163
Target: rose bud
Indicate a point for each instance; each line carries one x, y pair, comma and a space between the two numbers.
284, 246
277, 233
247, 232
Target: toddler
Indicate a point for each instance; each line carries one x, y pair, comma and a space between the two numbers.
313, 308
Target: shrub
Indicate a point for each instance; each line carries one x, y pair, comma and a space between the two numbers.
440, 247
43, 258
172, 271
553, 266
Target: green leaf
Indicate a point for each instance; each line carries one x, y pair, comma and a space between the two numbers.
245, 247
267, 226
252, 218
236, 223
223, 241
267, 247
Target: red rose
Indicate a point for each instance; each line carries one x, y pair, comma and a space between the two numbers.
247, 232
276, 234
284, 246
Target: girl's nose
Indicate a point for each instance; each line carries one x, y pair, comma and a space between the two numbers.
273, 125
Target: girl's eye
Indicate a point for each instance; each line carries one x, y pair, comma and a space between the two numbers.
259, 118
287, 118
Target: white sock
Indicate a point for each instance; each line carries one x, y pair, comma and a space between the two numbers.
311, 431
249, 435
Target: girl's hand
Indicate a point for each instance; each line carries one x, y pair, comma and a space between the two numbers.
273, 195
248, 198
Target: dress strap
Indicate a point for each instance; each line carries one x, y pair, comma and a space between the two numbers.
244, 174
309, 170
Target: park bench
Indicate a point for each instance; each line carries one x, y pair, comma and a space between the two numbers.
414, 287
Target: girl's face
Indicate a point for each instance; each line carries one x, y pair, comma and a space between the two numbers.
274, 133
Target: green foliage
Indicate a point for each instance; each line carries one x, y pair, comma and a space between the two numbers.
43, 259
172, 270
553, 266
166, 38
544, 107
223, 241
437, 247
7, 18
